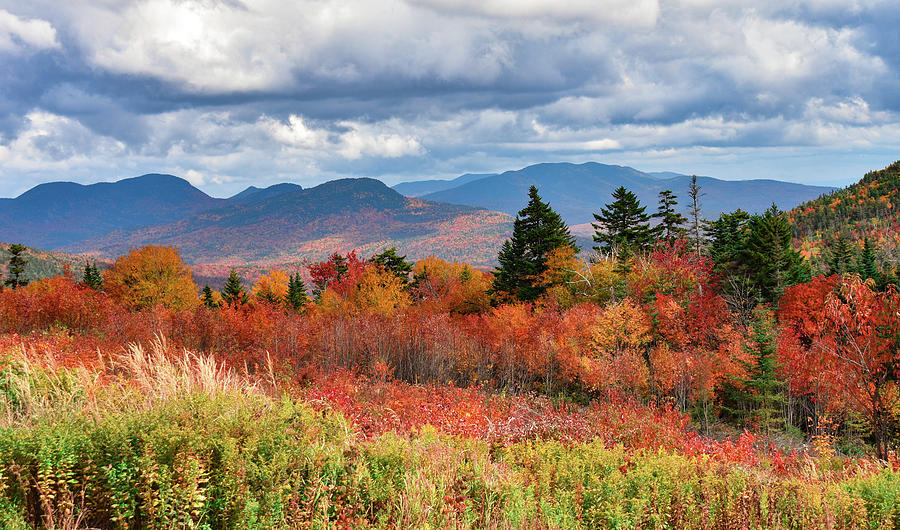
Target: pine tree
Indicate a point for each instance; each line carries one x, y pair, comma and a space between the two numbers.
207, 298
622, 225
233, 292
394, 263
758, 396
671, 223
840, 256
768, 258
15, 269
296, 295
537, 230
91, 276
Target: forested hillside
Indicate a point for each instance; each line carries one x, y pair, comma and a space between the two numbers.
867, 209
46, 264
308, 224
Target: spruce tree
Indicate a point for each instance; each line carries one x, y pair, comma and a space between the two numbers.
537, 230
207, 298
768, 258
840, 256
671, 223
15, 268
91, 276
865, 266
622, 225
394, 263
233, 292
296, 295
758, 395
727, 237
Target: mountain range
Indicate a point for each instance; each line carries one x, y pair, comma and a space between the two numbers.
577, 191
337, 216
464, 219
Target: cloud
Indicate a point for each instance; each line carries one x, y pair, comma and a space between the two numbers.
256, 91
628, 12
362, 139
356, 139
49, 140
17, 33
295, 133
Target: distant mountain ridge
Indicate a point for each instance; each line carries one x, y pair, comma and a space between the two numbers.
423, 187
577, 191
252, 193
466, 219
337, 216
55, 214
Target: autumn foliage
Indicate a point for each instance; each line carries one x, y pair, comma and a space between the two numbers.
630, 365
149, 276
841, 341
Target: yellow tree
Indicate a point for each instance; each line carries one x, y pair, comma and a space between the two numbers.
150, 276
379, 291
272, 287
620, 340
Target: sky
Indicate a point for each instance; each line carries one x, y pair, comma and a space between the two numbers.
231, 93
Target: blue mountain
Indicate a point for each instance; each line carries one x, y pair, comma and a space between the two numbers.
577, 191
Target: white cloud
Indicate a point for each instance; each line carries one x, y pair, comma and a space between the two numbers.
17, 33
364, 139
353, 142
854, 111
629, 12
53, 141
295, 133
214, 47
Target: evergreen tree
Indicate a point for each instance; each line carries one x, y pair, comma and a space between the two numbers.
233, 292
865, 266
694, 212
727, 237
840, 256
91, 276
769, 259
15, 268
671, 223
296, 295
758, 396
394, 263
207, 298
623, 225
537, 231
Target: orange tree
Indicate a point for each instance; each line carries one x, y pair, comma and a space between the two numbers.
149, 276
440, 286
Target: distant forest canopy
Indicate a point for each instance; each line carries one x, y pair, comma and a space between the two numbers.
865, 210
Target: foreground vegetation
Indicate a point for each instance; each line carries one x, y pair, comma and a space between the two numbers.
160, 439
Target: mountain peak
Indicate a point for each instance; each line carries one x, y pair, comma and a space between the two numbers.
253, 193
